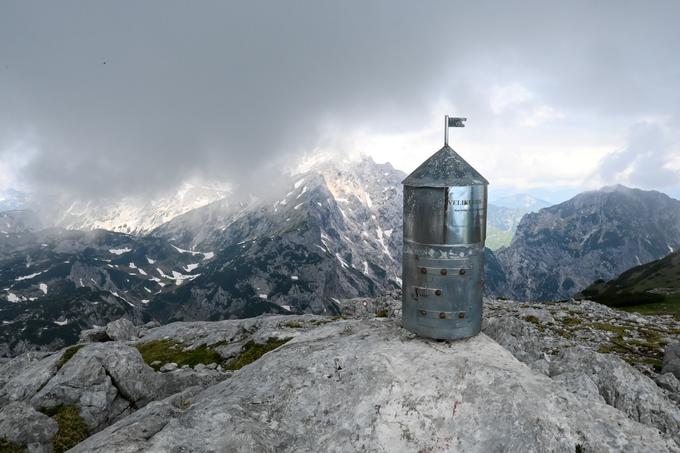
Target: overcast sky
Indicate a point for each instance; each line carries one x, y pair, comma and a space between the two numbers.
105, 99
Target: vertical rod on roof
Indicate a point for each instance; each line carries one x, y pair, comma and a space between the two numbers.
446, 130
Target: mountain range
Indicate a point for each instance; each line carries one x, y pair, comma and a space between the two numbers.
331, 233
561, 249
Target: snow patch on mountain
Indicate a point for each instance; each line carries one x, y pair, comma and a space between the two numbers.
137, 215
28, 277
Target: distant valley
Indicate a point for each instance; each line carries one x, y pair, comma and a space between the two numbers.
504, 214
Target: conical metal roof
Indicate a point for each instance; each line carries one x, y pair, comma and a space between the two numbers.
444, 168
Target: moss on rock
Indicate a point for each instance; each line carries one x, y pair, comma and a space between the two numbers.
10, 447
66, 356
252, 351
619, 330
161, 352
535, 321
72, 427
382, 313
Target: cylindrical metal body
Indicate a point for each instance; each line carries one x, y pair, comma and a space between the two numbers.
443, 259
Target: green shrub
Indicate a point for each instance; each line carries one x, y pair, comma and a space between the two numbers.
294, 325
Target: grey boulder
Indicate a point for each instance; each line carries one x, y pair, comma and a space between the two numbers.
671, 360
122, 330
24, 377
622, 387
23, 425
370, 386
105, 380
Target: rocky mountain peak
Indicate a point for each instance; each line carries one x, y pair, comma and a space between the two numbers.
561, 249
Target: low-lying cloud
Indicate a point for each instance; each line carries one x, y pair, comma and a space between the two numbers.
127, 98
646, 160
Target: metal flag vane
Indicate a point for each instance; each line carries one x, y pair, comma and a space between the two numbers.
451, 122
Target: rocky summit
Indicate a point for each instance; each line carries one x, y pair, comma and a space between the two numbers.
539, 378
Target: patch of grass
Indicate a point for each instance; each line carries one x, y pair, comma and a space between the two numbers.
657, 364
606, 348
564, 333
10, 447
535, 321
252, 351
634, 360
66, 356
321, 322
569, 321
171, 351
72, 427
652, 337
382, 313
294, 325
619, 330
635, 352
669, 305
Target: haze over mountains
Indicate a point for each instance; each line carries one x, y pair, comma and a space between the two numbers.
333, 232
504, 215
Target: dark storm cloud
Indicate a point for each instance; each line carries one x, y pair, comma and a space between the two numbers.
126, 97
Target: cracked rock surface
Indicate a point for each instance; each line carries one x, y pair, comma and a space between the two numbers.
369, 385
23, 425
533, 381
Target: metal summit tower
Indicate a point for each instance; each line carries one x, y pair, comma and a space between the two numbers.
445, 203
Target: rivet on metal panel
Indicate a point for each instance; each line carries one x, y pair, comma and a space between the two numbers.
442, 315
422, 312
443, 271
423, 270
461, 272
461, 315
438, 292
